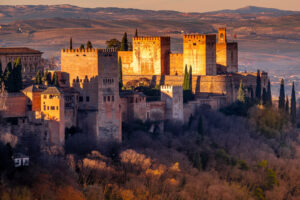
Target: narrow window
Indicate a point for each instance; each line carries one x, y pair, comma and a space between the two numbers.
81, 99
104, 98
112, 98
87, 98
44, 107
108, 98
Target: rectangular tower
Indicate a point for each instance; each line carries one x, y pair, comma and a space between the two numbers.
151, 55
199, 51
109, 108
173, 96
227, 53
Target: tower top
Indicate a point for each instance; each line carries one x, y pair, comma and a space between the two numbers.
222, 37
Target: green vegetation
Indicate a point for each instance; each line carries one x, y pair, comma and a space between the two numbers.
287, 106
89, 45
258, 87
241, 93
293, 105
264, 97
81, 47
136, 33
55, 80
71, 43
38, 77
281, 103
13, 76
269, 94
113, 43
124, 43
187, 85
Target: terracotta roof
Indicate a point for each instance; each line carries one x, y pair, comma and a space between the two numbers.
52, 90
18, 50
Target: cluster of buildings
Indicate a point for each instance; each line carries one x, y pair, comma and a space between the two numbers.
89, 97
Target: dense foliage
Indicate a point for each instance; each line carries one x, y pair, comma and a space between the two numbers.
212, 157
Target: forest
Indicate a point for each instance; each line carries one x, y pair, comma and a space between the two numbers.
217, 155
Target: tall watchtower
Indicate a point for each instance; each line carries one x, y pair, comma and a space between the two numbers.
109, 109
151, 55
227, 53
199, 51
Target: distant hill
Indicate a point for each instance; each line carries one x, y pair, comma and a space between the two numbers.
257, 10
25, 12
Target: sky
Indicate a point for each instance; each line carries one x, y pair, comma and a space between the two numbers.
179, 5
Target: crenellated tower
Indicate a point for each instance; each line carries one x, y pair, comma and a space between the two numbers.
199, 51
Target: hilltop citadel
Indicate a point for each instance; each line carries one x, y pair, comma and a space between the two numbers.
89, 97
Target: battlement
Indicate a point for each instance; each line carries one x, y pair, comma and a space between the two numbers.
150, 38
200, 37
170, 87
104, 50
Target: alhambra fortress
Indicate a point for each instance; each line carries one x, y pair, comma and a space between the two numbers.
89, 97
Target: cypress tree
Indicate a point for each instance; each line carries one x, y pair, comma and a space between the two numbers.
281, 102
241, 93
190, 77
269, 93
184, 86
71, 43
81, 46
38, 77
8, 81
136, 33
17, 75
55, 80
293, 105
124, 43
258, 86
120, 74
287, 106
264, 97
89, 45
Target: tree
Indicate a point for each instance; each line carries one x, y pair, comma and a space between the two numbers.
124, 43
264, 97
281, 102
38, 77
287, 106
120, 74
113, 43
269, 93
185, 80
81, 46
8, 81
17, 75
241, 93
190, 77
89, 45
136, 33
55, 80
293, 105
71, 43
258, 86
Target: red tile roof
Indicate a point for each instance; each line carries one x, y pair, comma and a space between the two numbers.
18, 50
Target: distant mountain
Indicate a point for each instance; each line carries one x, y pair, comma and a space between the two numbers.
257, 10
24, 12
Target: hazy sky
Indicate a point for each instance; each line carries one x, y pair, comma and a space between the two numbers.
181, 5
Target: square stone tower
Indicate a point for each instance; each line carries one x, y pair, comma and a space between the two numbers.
151, 55
227, 53
173, 96
109, 109
53, 110
199, 51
